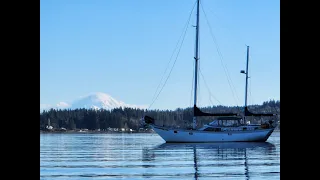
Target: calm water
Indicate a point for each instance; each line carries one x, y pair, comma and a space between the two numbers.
146, 156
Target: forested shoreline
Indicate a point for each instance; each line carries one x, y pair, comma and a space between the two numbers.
130, 118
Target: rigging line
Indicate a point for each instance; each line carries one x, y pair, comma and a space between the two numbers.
224, 25
221, 59
208, 88
174, 60
172, 54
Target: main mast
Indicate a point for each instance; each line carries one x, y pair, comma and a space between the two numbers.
196, 65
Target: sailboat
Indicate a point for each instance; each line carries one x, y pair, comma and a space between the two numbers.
227, 127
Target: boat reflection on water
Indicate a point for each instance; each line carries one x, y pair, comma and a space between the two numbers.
220, 145
213, 152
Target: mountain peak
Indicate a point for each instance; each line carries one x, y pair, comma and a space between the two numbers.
97, 100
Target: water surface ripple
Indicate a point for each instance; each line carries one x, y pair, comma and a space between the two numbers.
146, 156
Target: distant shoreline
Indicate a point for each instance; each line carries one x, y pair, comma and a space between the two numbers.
90, 132
103, 132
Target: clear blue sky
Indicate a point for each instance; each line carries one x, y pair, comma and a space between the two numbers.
122, 47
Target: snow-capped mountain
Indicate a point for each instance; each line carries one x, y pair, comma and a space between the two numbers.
92, 101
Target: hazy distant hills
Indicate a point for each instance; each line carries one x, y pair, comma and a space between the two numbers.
92, 101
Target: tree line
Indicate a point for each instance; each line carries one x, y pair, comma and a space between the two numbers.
102, 119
